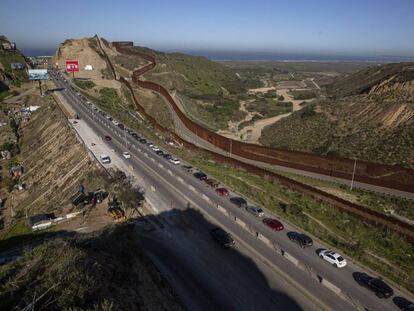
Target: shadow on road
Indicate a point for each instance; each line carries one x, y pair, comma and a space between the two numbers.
109, 263
206, 275
403, 304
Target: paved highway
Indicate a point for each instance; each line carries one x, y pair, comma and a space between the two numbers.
285, 282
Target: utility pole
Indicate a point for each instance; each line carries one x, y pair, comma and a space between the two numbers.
353, 174
40, 87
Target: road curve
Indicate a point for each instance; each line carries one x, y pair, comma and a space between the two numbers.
181, 188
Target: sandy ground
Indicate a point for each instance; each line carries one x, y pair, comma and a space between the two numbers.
253, 132
81, 51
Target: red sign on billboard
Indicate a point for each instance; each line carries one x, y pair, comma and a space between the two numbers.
72, 65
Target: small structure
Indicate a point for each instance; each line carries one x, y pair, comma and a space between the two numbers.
41, 221
16, 171
6, 46
123, 43
5, 154
88, 67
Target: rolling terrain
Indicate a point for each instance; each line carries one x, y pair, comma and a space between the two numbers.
60, 267
368, 115
10, 78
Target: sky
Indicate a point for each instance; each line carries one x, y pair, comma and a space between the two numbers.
323, 27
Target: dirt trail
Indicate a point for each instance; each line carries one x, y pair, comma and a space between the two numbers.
252, 133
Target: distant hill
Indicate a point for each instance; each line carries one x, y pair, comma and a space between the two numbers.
373, 78
370, 116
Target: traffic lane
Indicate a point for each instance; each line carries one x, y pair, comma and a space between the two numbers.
101, 146
156, 186
222, 280
241, 281
342, 277
186, 190
196, 198
99, 114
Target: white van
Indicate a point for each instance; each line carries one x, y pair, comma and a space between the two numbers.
105, 159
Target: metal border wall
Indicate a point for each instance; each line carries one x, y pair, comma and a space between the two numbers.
245, 150
389, 176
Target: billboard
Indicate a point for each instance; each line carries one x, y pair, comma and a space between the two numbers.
72, 65
17, 66
38, 74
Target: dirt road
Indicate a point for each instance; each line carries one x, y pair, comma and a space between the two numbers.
252, 133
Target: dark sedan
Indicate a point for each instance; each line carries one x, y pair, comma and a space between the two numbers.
378, 286
222, 237
301, 239
240, 202
200, 175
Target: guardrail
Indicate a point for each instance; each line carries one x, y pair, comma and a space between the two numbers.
394, 177
293, 260
367, 215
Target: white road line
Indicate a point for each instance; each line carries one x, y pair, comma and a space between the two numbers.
206, 198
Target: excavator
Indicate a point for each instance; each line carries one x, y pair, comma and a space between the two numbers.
115, 210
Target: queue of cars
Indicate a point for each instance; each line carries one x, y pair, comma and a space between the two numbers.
378, 286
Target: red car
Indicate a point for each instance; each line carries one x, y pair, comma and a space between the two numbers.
223, 192
273, 224
108, 138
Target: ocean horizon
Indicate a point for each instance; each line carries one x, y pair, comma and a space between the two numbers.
258, 56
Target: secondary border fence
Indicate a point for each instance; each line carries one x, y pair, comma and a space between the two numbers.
293, 260
390, 176
377, 174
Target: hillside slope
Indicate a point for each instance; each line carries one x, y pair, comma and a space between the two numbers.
370, 116
9, 77
375, 78
105, 271
208, 92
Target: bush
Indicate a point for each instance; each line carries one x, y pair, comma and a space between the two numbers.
84, 84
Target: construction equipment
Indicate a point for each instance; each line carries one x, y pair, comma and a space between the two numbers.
115, 210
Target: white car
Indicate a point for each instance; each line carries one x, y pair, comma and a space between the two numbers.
155, 148
116, 123
105, 159
256, 211
333, 258
126, 155
175, 161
